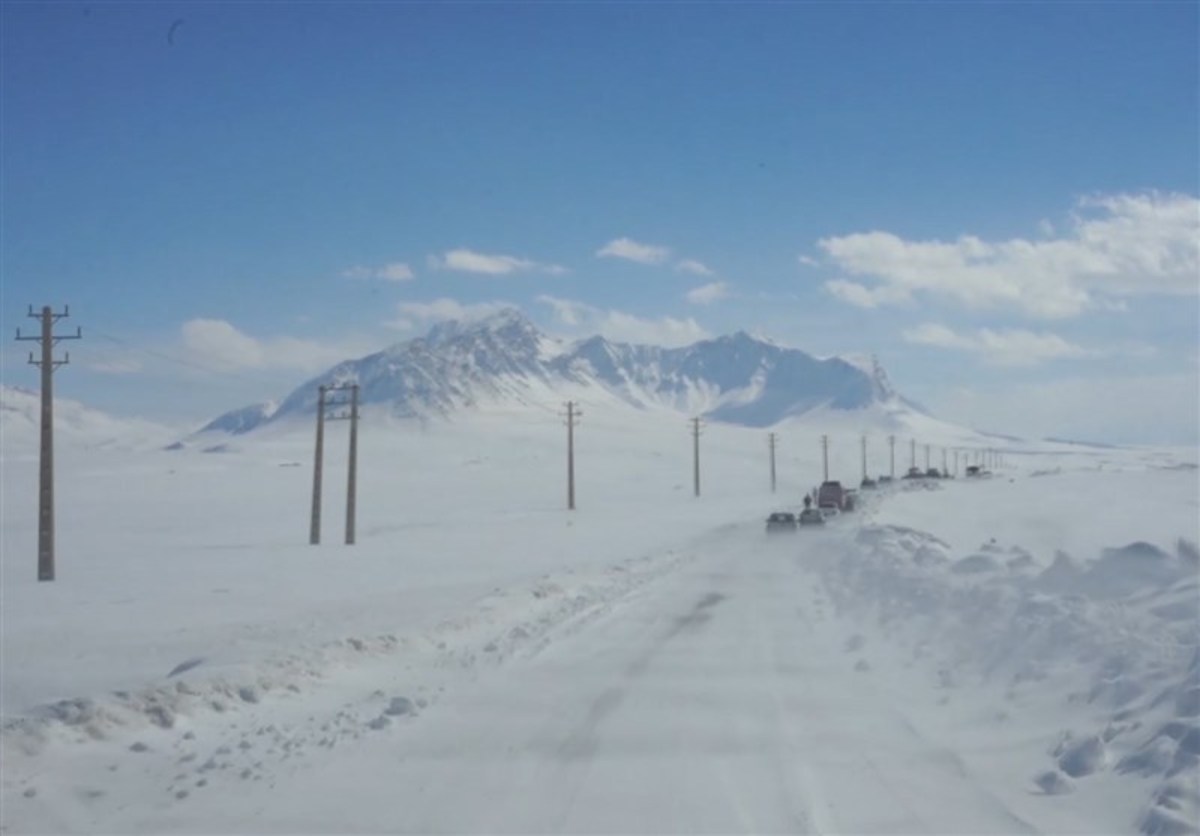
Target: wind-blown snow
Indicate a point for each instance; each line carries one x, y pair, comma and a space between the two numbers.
74, 424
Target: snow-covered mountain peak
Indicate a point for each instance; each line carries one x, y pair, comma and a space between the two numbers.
507, 324
737, 378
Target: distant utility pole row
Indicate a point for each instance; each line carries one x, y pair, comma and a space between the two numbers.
48, 365
314, 531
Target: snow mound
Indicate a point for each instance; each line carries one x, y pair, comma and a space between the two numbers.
1117, 634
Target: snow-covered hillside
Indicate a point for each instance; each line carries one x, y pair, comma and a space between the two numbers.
504, 359
1011, 654
74, 425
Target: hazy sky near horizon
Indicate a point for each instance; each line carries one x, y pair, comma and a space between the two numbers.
998, 199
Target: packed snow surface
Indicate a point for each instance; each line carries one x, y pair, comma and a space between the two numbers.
1018, 653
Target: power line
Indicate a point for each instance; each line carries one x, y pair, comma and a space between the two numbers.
191, 364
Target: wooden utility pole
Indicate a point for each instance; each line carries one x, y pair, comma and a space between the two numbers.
864, 457
892, 453
825, 458
314, 525
573, 416
945, 471
323, 405
696, 455
912, 453
47, 364
771, 446
350, 415
352, 468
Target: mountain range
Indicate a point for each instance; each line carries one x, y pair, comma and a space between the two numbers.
504, 358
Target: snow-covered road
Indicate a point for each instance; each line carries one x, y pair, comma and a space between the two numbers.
723, 696
722, 699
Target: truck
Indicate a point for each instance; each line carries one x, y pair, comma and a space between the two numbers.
833, 495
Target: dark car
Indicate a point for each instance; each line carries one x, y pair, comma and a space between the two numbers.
781, 521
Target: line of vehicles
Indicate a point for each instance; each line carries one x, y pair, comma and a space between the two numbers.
828, 500
832, 498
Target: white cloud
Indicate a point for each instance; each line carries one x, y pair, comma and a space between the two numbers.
1118, 245
580, 319
439, 310
397, 271
865, 297
808, 261
220, 346
1003, 348
696, 268
631, 250
469, 261
706, 294
1151, 409
116, 365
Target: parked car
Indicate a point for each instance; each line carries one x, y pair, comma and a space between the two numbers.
781, 521
811, 516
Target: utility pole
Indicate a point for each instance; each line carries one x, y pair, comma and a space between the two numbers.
352, 463
864, 457
323, 405
47, 364
945, 470
573, 416
825, 458
314, 524
912, 453
926, 457
352, 468
892, 452
696, 455
771, 446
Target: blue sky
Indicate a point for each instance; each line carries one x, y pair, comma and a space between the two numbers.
998, 199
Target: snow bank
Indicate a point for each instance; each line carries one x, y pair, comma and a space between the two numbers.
1112, 635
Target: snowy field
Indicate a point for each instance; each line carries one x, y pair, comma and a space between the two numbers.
1015, 654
